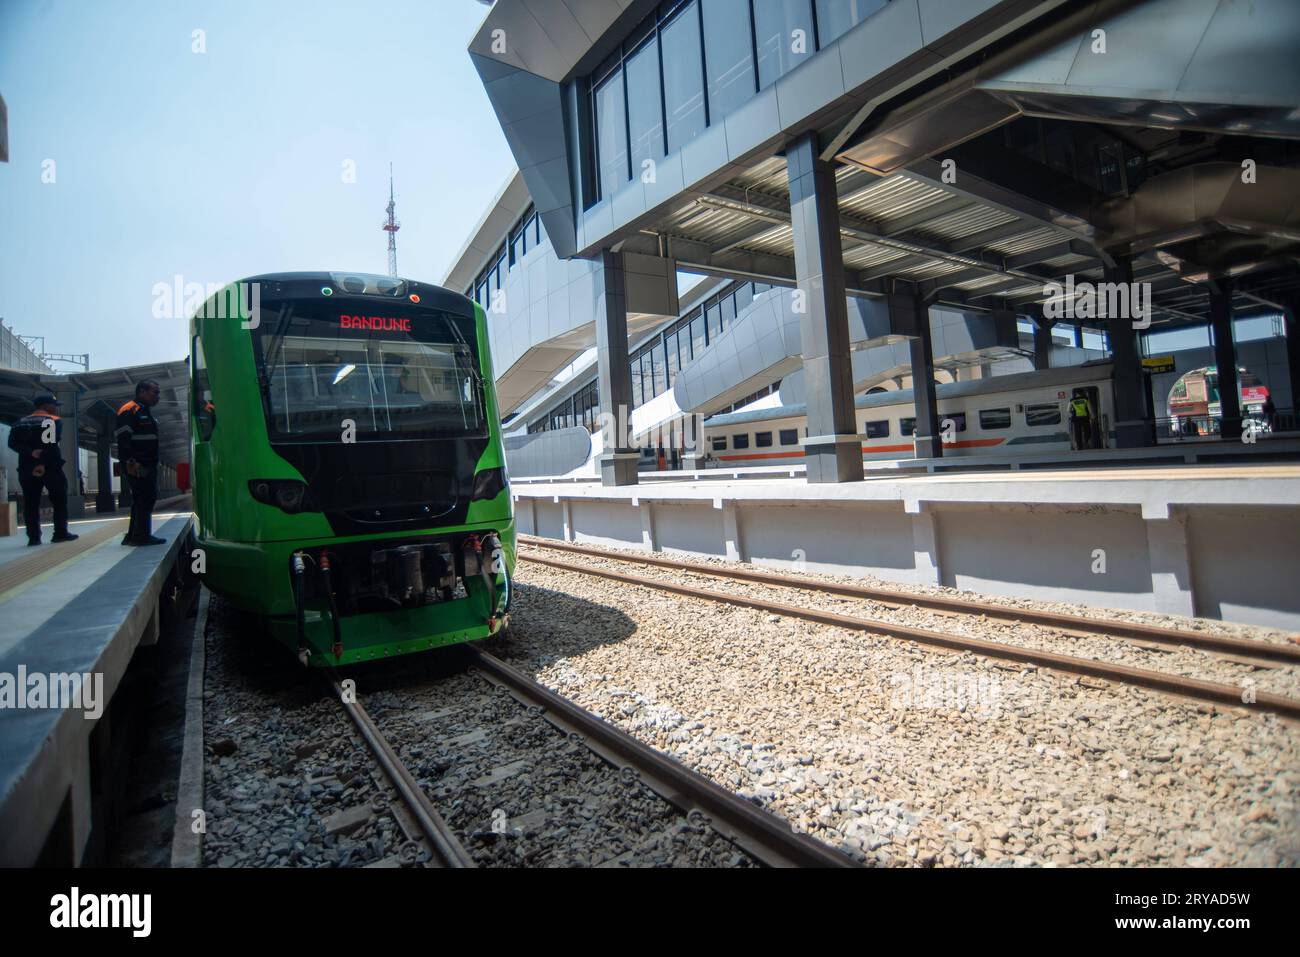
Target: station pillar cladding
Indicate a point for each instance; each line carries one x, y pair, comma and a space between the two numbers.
1043, 343
832, 449
618, 462
71, 416
1291, 316
1133, 426
1225, 358
909, 314
103, 463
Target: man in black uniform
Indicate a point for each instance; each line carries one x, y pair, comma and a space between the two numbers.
35, 438
137, 450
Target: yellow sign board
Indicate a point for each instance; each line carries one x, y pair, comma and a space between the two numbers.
1155, 364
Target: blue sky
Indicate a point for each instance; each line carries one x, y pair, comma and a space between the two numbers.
227, 163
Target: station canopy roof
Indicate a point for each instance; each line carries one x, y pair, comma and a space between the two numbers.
100, 394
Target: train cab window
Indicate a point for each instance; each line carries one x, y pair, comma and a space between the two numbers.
740, 441
789, 436
205, 414
907, 426
877, 430
1044, 413
719, 443
995, 418
763, 440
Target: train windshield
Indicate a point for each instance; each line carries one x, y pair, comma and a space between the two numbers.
340, 373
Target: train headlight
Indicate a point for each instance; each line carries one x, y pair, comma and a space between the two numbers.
288, 495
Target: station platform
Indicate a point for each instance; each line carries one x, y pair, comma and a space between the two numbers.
1216, 541
71, 617
1281, 447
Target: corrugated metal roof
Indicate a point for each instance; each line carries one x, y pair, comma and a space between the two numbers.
963, 222
891, 198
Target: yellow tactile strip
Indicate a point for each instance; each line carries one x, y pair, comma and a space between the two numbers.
52, 555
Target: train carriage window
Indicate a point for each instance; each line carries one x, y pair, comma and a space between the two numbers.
789, 436
740, 441
877, 430
1044, 413
763, 440
907, 426
995, 418
958, 420
719, 443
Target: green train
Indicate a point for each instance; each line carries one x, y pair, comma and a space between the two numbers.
349, 481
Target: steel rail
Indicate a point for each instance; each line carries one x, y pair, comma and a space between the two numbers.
442, 841
764, 836
1155, 680
1106, 626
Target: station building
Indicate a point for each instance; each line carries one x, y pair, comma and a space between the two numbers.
726, 204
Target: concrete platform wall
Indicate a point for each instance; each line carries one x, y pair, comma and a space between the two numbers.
1209, 560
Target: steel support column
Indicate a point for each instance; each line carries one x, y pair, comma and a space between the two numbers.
1225, 358
618, 462
1132, 426
832, 449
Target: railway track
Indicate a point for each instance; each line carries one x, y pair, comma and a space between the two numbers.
765, 838
1184, 686
443, 846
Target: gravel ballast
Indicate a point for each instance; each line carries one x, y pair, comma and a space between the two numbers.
904, 755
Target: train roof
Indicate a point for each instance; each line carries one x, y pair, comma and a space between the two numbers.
1068, 375
372, 285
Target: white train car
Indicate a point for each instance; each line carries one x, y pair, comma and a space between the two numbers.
1023, 412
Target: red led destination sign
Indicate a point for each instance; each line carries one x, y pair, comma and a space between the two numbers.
375, 323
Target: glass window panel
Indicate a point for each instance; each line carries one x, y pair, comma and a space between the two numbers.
611, 134
905, 426
877, 430
763, 440
789, 436
995, 418
728, 55
683, 78
728, 312
740, 441
518, 246
715, 321
636, 382
744, 296
674, 361
697, 336
836, 17
1046, 413
657, 365
719, 443
644, 107
775, 23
